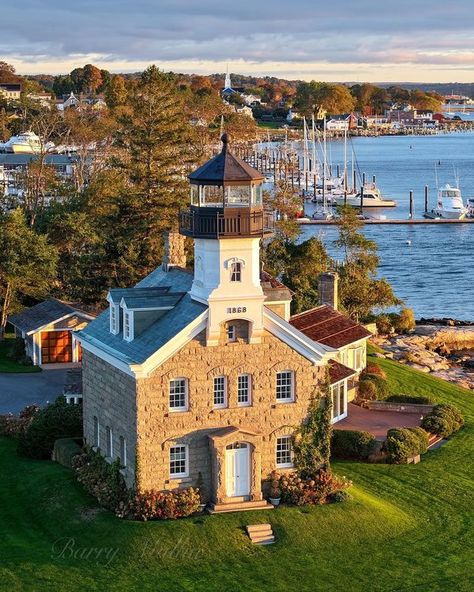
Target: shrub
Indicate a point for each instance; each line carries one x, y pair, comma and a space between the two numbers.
17, 352
352, 444
443, 421
404, 321
380, 384
367, 390
58, 420
339, 496
414, 399
374, 370
316, 490
403, 443
101, 479
163, 505
384, 324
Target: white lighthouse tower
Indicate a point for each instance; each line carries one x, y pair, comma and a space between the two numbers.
226, 218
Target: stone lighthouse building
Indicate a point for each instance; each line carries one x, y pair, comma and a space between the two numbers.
201, 377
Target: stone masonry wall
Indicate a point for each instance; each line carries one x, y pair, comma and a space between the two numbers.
109, 394
159, 429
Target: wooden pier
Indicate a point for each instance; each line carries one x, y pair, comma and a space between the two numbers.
409, 222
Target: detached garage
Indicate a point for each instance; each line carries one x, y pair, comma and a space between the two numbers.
48, 330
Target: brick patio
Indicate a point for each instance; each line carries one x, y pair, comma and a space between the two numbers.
377, 422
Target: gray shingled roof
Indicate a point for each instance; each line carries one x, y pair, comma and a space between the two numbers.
42, 314
116, 294
158, 333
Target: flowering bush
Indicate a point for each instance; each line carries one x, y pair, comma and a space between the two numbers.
101, 479
316, 490
11, 425
162, 505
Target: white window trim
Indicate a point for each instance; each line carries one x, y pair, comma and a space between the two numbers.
129, 314
186, 463
109, 442
114, 323
249, 400
290, 399
123, 460
359, 349
289, 465
186, 395
224, 404
239, 272
97, 441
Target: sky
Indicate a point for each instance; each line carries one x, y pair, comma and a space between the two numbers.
334, 40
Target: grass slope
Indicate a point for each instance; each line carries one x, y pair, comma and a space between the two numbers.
407, 528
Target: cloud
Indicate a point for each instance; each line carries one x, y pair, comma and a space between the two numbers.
342, 34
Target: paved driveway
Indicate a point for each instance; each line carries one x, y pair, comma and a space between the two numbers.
19, 390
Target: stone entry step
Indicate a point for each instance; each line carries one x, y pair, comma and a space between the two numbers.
240, 507
261, 534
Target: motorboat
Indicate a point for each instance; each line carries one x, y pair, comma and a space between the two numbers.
25, 143
372, 198
450, 204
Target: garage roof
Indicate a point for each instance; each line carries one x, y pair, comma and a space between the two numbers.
44, 313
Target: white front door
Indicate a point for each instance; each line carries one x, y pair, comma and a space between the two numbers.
237, 475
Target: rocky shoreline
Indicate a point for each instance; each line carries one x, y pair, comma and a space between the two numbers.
443, 350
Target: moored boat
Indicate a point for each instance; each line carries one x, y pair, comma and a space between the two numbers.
372, 198
450, 204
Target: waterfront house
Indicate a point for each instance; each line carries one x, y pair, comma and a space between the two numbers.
201, 377
10, 91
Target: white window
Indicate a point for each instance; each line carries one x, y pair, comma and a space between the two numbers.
108, 442
114, 319
231, 333
358, 358
220, 391
243, 389
285, 386
339, 400
123, 451
284, 452
128, 325
178, 394
236, 271
178, 461
96, 433
344, 357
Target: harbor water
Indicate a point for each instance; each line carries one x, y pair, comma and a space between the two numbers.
430, 266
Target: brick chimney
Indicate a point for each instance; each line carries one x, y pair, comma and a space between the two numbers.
175, 255
328, 289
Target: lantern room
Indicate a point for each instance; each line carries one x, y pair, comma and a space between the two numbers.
226, 199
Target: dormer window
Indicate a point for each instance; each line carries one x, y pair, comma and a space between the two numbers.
128, 325
236, 271
114, 319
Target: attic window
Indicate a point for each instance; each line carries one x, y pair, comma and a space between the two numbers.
128, 325
114, 319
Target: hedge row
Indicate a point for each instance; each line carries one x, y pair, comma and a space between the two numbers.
352, 444
444, 420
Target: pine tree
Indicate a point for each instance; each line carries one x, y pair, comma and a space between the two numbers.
27, 264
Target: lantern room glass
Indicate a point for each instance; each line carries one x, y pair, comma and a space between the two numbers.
229, 196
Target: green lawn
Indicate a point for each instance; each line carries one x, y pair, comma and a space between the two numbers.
408, 528
8, 365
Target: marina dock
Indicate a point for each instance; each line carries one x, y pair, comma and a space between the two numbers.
408, 221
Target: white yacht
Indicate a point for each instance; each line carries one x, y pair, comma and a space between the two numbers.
372, 198
25, 143
450, 204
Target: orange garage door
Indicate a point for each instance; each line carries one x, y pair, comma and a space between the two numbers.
56, 347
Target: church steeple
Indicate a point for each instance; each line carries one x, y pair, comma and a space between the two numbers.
227, 82
227, 220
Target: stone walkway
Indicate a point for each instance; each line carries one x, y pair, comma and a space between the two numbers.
376, 422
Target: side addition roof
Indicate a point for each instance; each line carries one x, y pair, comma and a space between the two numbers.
328, 326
